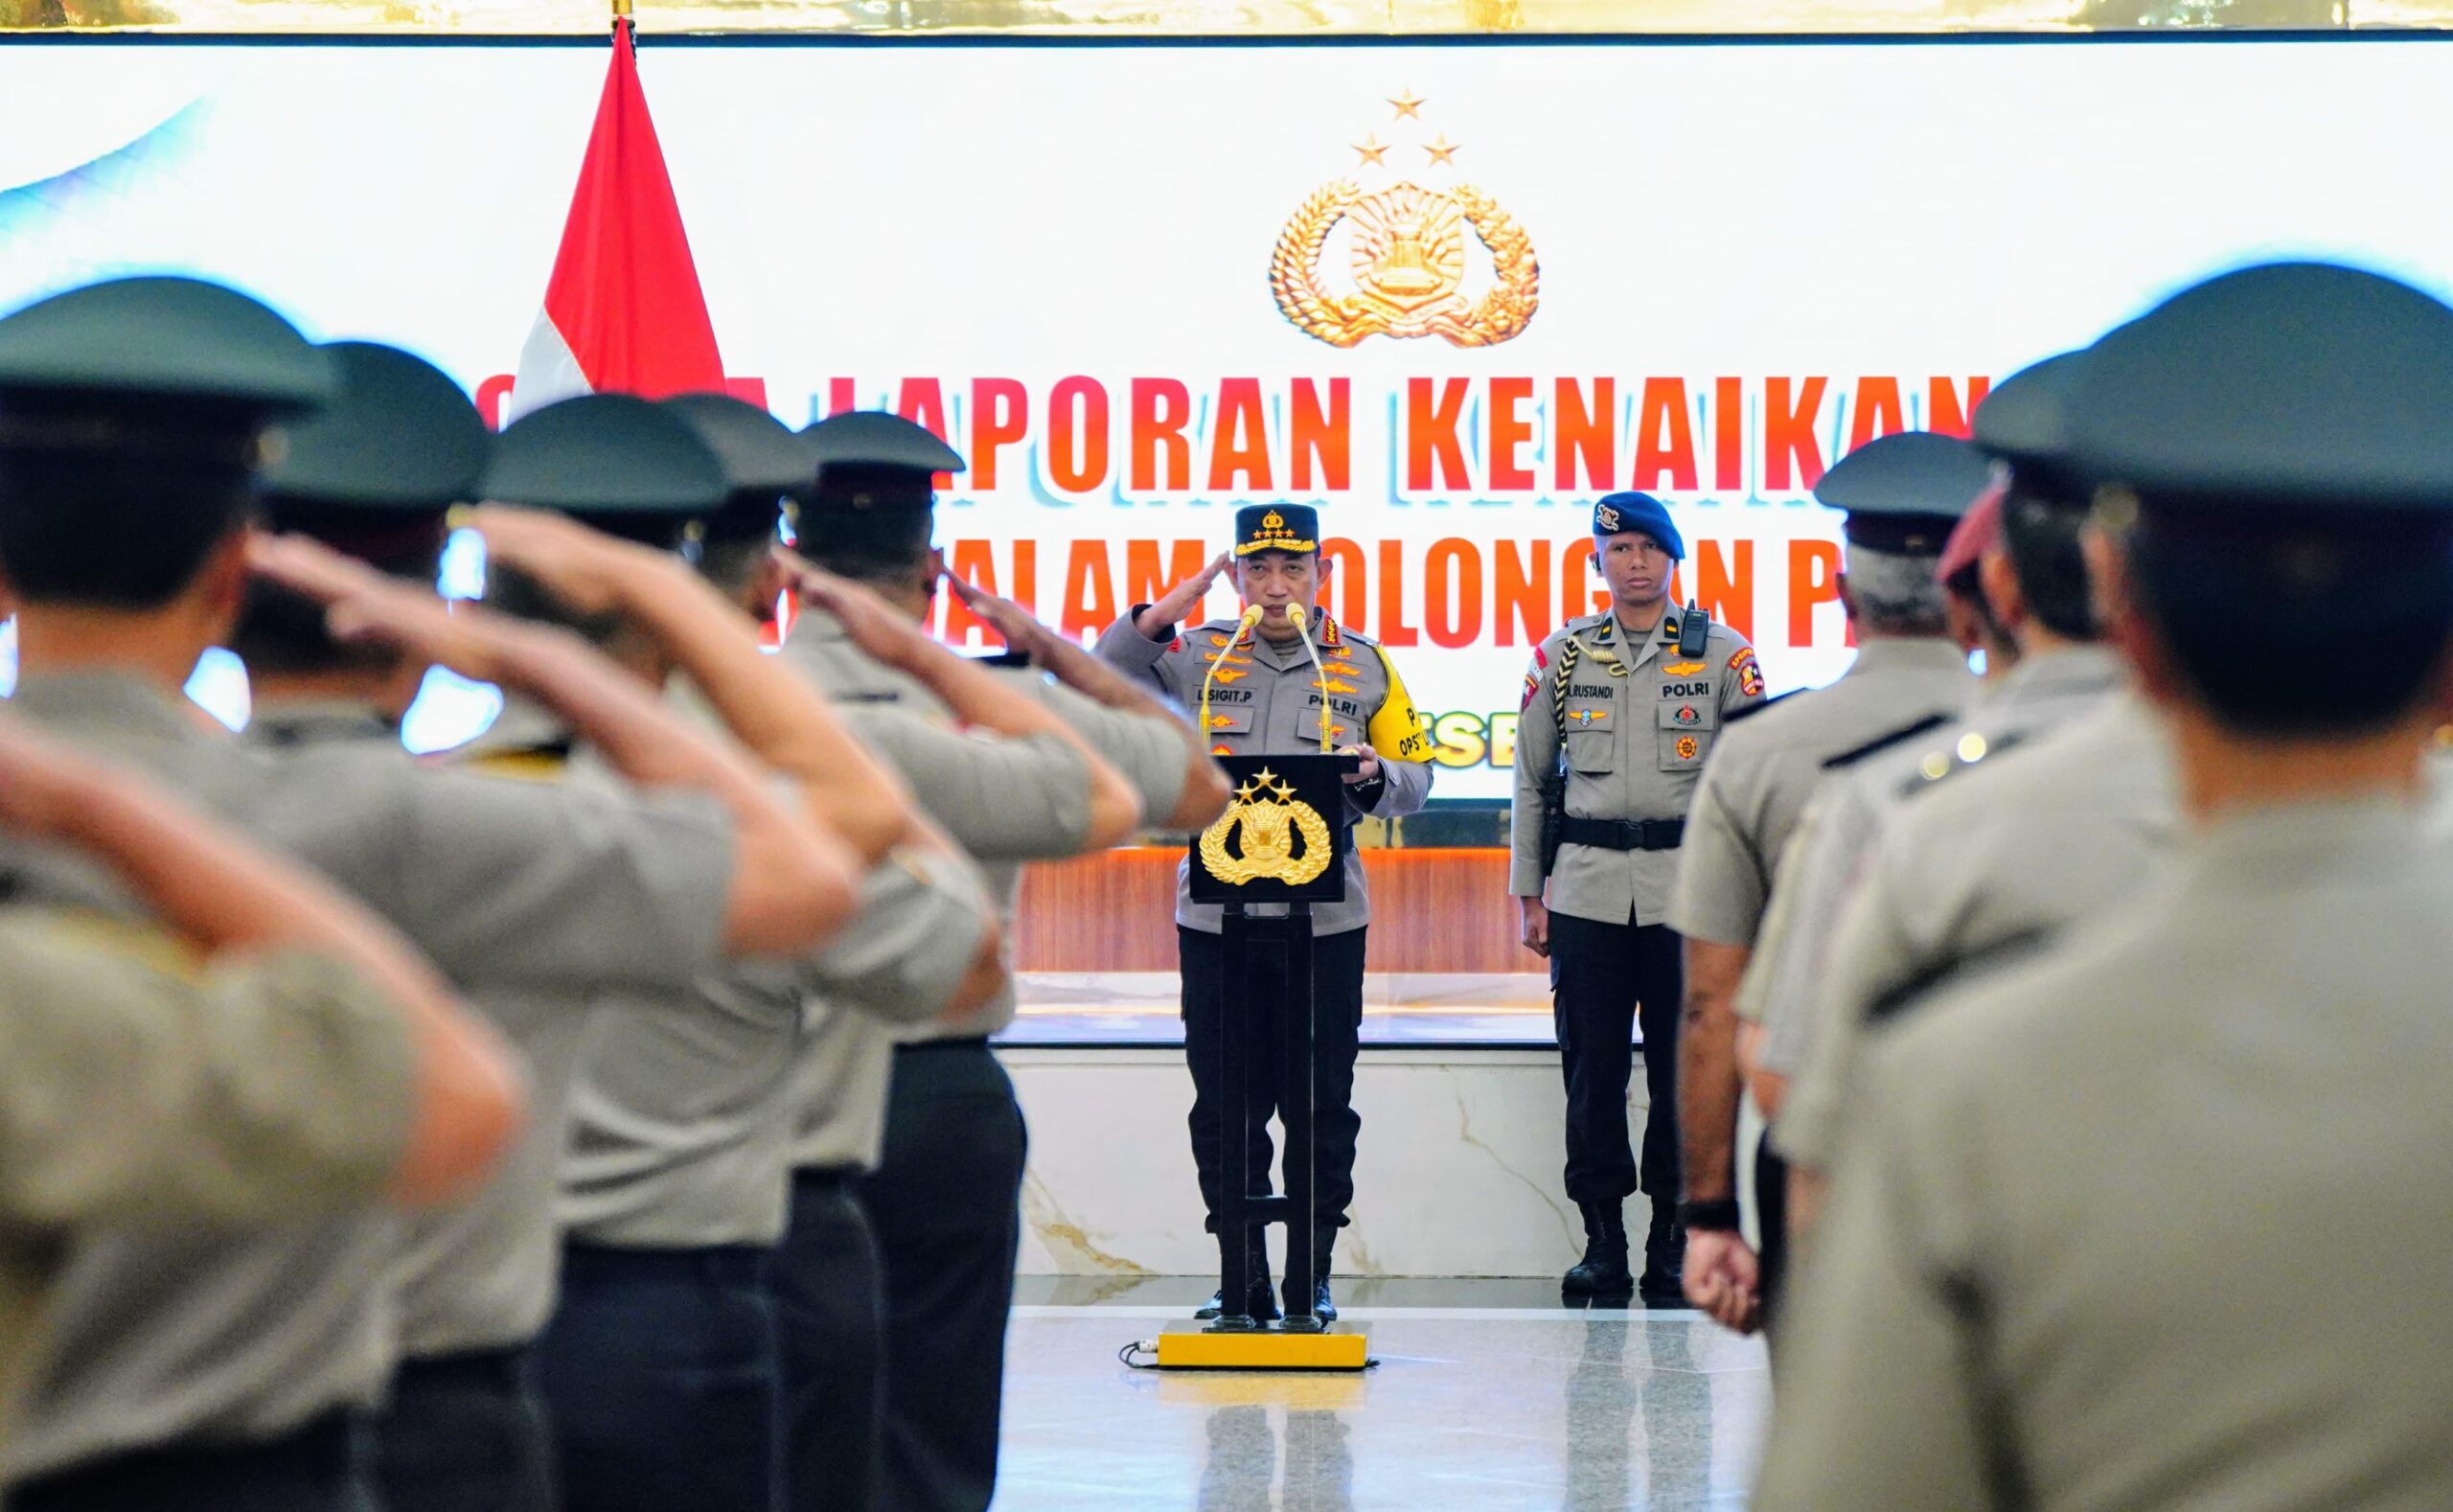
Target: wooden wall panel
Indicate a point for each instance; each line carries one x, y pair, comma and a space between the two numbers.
1432, 910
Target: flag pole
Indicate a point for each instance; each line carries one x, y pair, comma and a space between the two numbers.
621, 12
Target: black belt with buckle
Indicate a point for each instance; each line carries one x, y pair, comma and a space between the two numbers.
1623, 835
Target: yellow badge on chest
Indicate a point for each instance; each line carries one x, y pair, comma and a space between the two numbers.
1682, 668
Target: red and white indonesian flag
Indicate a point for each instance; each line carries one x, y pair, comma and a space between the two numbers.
623, 312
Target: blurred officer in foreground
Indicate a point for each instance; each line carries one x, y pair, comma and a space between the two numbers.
1009, 781
660, 1364
201, 1370
1900, 494
1361, 704
371, 478
1621, 710
2058, 1277
1991, 839
260, 1050
1775, 998
927, 944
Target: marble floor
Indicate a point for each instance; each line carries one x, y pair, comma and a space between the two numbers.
1487, 1395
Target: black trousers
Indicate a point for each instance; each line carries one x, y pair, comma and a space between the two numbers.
659, 1372
1605, 979
947, 1205
1337, 1027
1771, 1216
464, 1434
320, 1467
830, 1321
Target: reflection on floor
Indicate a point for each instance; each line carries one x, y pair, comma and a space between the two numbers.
1488, 1395
1399, 1008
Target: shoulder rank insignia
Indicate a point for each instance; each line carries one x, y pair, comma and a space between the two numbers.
1983, 961
1747, 711
1945, 762
1880, 743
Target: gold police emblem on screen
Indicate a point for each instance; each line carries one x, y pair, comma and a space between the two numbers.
1269, 826
1406, 255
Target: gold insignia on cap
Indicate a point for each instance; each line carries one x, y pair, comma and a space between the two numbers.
1606, 517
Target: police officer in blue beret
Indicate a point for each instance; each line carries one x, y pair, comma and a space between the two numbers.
1621, 709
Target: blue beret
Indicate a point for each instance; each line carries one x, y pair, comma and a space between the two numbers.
1616, 513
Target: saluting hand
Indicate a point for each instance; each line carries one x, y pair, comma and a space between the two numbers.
585, 570
362, 605
1023, 632
1180, 601
876, 627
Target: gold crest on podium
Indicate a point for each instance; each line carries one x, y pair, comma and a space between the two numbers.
1406, 259
1270, 824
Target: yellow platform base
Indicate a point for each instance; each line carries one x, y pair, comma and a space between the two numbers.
1196, 1349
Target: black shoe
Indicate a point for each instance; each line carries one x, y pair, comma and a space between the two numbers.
1663, 1281
1323, 1250
1603, 1270
1323, 1307
1260, 1305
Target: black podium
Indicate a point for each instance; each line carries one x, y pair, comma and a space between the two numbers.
1283, 841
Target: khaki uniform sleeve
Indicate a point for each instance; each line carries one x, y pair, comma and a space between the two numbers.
1537, 754
1123, 647
1771, 939
1867, 942
922, 916
560, 885
998, 799
1147, 749
1884, 1396
144, 1090
1722, 884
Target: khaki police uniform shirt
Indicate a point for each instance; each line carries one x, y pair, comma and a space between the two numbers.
183, 1335
1850, 809
147, 1087
683, 1117
2155, 1218
1268, 699
998, 798
844, 1094
1763, 769
2038, 833
1641, 720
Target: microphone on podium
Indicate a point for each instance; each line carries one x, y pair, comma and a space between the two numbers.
1242, 626
1302, 620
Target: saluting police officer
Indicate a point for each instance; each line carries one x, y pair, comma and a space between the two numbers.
918, 950
2088, 1248
1008, 781
259, 1050
210, 1370
1277, 567
674, 1189
1900, 495
1629, 703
